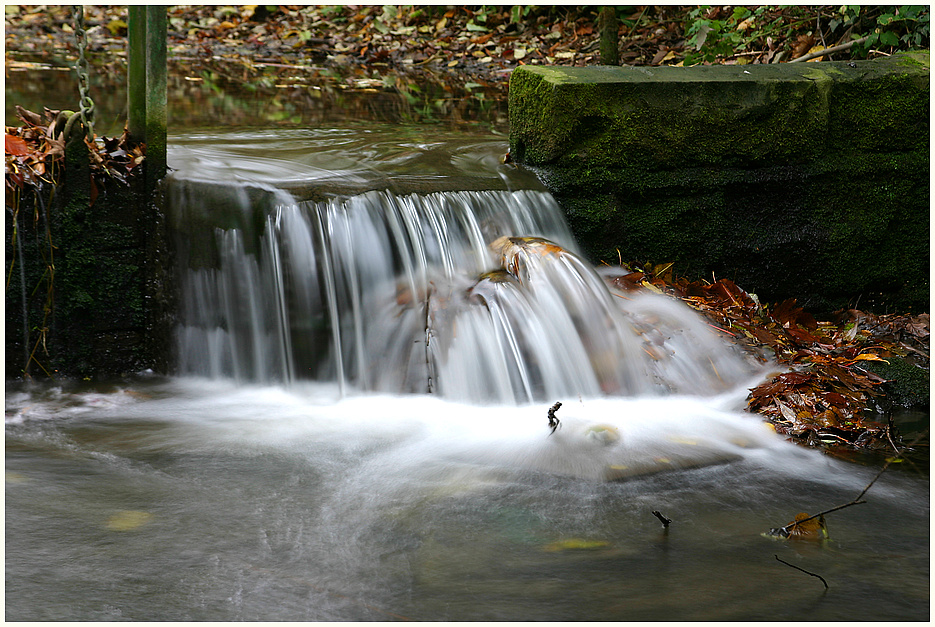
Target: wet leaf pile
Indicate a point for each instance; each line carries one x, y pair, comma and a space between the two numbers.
831, 391
35, 154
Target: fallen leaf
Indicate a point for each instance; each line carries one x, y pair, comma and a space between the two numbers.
576, 544
128, 520
869, 357
813, 529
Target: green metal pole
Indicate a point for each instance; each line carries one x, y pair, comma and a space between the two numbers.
155, 93
146, 92
136, 73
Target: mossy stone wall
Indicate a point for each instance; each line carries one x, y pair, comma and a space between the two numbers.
802, 180
90, 292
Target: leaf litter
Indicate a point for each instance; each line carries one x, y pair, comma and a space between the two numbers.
827, 396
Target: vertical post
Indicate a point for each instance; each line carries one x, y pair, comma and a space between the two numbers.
147, 123
155, 94
146, 94
136, 73
610, 50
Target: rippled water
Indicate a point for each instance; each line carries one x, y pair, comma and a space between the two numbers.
352, 150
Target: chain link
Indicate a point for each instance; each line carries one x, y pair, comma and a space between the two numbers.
85, 104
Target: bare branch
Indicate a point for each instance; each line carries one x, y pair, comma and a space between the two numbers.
832, 49
804, 571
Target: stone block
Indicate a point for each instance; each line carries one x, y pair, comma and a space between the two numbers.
805, 180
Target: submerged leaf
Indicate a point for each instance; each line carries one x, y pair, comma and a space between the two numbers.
576, 544
128, 520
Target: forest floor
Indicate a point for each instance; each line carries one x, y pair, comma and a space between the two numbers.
440, 63
457, 46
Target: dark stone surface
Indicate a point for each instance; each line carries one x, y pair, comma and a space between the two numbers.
90, 292
806, 181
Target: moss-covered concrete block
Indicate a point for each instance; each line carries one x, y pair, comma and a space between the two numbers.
90, 280
797, 180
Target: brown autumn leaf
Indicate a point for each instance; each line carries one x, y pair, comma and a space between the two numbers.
15, 145
813, 529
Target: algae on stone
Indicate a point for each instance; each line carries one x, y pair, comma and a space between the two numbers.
802, 180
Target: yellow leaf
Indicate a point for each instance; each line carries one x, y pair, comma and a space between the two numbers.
682, 440
576, 544
651, 287
816, 49
115, 26
813, 529
869, 357
127, 520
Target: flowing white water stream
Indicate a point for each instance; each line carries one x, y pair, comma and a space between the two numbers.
403, 294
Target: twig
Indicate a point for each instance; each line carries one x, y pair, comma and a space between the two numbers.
821, 53
784, 531
889, 434
553, 421
891, 460
429, 370
804, 571
821, 35
665, 521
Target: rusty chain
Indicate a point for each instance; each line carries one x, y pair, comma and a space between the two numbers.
85, 104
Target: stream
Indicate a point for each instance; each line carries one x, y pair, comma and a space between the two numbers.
358, 425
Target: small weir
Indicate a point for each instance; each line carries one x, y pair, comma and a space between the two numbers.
372, 329
478, 296
410, 294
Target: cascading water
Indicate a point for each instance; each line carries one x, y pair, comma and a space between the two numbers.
436, 293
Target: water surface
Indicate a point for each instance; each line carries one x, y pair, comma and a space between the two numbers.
189, 499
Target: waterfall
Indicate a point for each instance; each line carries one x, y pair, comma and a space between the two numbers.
476, 296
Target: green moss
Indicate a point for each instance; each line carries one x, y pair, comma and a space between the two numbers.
806, 181
908, 385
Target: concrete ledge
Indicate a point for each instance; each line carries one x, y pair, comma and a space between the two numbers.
798, 180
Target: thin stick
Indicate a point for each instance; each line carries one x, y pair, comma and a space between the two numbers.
804, 571
832, 49
857, 500
553, 419
429, 370
890, 461
827, 511
665, 521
